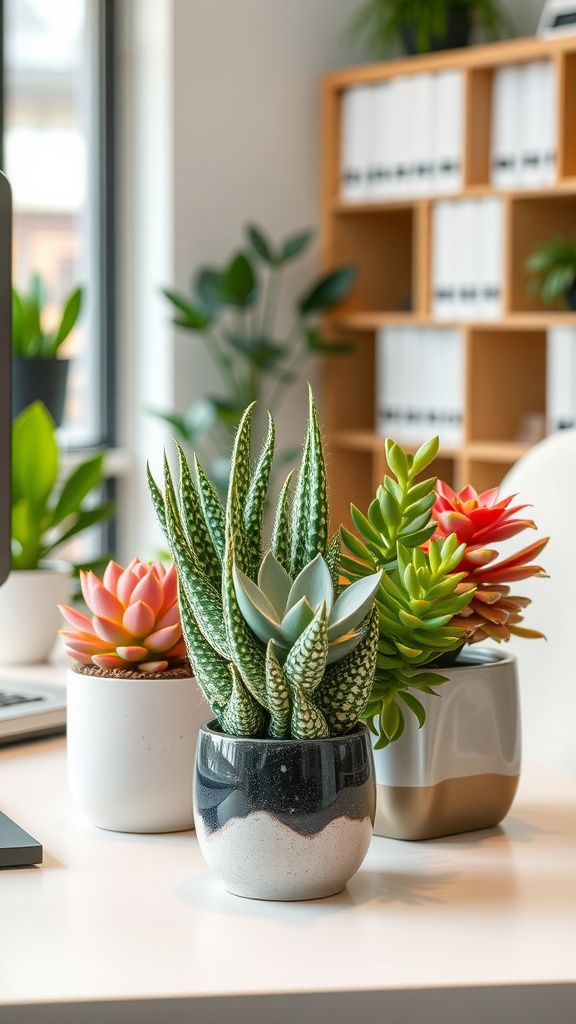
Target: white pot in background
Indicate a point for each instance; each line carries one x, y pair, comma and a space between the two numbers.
131, 750
29, 616
459, 771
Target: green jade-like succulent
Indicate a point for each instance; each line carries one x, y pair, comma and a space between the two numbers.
419, 592
276, 648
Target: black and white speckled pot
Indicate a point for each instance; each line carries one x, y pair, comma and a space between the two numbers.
284, 819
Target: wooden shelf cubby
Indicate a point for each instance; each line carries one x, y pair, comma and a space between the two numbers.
391, 243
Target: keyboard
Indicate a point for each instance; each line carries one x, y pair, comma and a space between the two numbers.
28, 710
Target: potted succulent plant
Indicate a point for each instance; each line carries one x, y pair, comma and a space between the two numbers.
552, 266
284, 787
442, 591
425, 25
133, 708
47, 512
39, 373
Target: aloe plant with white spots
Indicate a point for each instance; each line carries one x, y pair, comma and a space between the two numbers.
279, 647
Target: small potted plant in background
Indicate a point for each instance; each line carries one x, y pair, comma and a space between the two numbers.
552, 266
235, 311
39, 372
48, 511
451, 763
133, 708
425, 25
284, 788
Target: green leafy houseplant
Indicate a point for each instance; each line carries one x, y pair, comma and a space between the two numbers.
441, 586
46, 511
234, 310
30, 338
552, 266
423, 25
39, 373
279, 649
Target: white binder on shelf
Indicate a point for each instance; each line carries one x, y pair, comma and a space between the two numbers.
423, 126
388, 397
561, 378
531, 124
448, 130
549, 121
490, 248
444, 259
465, 245
356, 110
381, 146
400, 113
505, 143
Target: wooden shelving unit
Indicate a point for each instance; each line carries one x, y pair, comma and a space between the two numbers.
505, 360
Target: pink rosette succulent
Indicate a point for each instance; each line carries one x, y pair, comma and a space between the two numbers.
135, 622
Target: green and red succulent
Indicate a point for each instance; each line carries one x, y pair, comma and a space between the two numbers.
441, 586
481, 521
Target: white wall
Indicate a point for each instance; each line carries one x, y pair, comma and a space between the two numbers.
221, 126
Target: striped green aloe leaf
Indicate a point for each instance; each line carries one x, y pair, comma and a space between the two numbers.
333, 556
238, 489
157, 500
306, 720
256, 499
306, 663
242, 716
210, 669
281, 534
346, 687
246, 652
204, 598
194, 523
213, 511
278, 697
310, 507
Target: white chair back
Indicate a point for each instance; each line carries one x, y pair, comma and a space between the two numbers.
546, 479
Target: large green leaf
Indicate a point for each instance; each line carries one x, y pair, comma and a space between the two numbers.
69, 318
328, 291
81, 481
296, 244
188, 315
239, 282
35, 456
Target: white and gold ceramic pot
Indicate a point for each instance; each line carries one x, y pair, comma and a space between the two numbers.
459, 771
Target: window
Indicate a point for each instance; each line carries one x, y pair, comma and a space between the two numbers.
58, 156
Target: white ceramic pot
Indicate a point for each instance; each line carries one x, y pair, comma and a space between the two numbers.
131, 750
460, 770
29, 616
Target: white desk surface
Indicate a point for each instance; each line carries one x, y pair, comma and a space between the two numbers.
479, 926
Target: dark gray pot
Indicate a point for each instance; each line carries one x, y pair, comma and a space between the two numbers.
43, 380
284, 819
458, 29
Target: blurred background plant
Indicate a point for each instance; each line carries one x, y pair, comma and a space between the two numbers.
552, 269
39, 330
234, 309
424, 25
49, 509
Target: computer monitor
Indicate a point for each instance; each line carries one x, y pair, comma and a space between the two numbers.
5, 372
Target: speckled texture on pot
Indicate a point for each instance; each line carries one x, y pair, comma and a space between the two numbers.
284, 819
